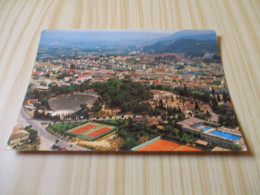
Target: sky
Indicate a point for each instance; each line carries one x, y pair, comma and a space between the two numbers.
105, 35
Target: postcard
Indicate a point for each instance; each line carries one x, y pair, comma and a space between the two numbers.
127, 90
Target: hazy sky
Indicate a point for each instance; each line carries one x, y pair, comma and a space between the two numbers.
104, 34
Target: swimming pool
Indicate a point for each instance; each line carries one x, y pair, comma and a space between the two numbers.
205, 128
226, 135
198, 125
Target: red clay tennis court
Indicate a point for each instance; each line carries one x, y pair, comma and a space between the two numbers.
83, 129
160, 145
98, 132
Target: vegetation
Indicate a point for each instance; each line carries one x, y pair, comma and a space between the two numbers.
33, 135
132, 133
191, 48
186, 92
123, 94
31, 143
205, 116
62, 127
115, 122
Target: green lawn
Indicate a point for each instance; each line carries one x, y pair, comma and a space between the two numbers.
61, 127
114, 121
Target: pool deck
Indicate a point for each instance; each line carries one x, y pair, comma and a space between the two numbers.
208, 132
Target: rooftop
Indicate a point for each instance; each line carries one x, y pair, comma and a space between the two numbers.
158, 144
190, 121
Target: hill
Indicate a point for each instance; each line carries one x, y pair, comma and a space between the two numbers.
191, 43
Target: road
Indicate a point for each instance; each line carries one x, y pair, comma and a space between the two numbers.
47, 139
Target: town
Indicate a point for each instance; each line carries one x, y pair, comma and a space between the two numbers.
135, 102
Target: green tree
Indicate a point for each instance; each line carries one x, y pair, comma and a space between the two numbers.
218, 98
163, 116
83, 106
197, 106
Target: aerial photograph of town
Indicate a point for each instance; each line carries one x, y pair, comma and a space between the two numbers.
127, 90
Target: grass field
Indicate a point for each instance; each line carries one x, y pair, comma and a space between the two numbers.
91, 130
62, 127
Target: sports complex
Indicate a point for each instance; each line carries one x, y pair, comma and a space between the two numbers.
213, 133
91, 131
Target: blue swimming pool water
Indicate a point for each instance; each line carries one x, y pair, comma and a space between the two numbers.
198, 125
226, 135
205, 128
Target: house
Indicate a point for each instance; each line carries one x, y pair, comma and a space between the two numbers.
83, 77
67, 79
201, 144
49, 73
47, 82
140, 120
37, 73
147, 82
18, 137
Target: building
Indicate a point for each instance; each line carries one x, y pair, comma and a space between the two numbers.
201, 144
140, 120
37, 74
18, 137
138, 67
84, 77
212, 133
147, 82
119, 67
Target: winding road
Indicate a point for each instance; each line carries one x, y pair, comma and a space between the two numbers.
47, 139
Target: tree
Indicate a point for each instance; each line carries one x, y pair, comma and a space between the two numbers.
218, 98
33, 135
97, 106
161, 104
224, 97
197, 106
214, 103
129, 143
83, 106
213, 91
181, 116
163, 116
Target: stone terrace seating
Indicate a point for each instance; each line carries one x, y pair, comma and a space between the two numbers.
71, 102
